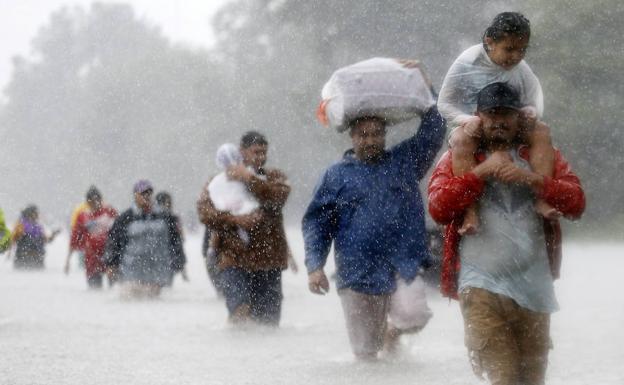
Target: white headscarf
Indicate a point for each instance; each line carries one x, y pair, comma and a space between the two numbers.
228, 155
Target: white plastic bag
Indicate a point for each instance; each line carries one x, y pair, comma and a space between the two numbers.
471, 72
408, 305
380, 87
230, 195
228, 155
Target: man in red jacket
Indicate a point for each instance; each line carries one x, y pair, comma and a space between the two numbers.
89, 234
504, 273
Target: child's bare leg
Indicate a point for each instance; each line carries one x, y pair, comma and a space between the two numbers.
464, 148
542, 161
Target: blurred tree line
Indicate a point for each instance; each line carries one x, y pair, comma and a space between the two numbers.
107, 99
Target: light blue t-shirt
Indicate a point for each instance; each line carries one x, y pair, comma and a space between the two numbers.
508, 256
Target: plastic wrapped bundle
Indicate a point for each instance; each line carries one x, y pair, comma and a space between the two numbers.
230, 195
471, 72
408, 305
378, 87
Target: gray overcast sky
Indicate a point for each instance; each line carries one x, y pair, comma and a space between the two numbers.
181, 20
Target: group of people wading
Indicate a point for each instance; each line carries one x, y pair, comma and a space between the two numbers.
499, 190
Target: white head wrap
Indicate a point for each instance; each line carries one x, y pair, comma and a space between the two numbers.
227, 155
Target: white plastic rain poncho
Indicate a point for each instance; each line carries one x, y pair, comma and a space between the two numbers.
380, 87
230, 195
472, 71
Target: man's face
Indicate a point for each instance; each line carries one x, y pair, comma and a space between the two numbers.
500, 125
369, 139
255, 155
143, 199
508, 51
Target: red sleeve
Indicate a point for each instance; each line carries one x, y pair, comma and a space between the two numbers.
78, 234
563, 191
450, 195
111, 212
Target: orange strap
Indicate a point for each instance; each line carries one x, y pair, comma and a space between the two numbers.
321, 114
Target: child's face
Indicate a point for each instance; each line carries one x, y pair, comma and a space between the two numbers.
508, 51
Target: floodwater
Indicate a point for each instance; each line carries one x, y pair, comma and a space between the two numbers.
54, 331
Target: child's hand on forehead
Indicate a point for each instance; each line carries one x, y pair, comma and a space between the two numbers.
529, 112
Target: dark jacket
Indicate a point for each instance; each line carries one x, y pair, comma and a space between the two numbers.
267, 248
373, 213
30, 239
119, 238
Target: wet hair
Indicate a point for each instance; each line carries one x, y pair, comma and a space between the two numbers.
30, 211
253, 137
93, 194
163, 197
508, 23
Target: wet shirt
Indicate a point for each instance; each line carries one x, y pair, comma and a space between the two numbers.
91, 230
146, 247
508, 256
373, 214
30, 238
90, 234
147, 254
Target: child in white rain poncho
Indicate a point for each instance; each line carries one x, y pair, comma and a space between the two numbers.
231, 195
499, 58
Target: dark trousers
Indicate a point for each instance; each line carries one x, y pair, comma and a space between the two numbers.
95, 281
260, 290
214, 274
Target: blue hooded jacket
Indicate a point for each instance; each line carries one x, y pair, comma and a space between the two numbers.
374, 213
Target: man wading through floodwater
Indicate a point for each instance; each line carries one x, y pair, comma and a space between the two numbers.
369, 206
504, 273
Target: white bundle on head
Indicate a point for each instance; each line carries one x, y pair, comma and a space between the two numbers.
380, 87
228, 155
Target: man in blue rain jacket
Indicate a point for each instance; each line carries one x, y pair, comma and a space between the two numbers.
369, 205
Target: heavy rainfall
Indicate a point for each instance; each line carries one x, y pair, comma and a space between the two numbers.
147, 242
